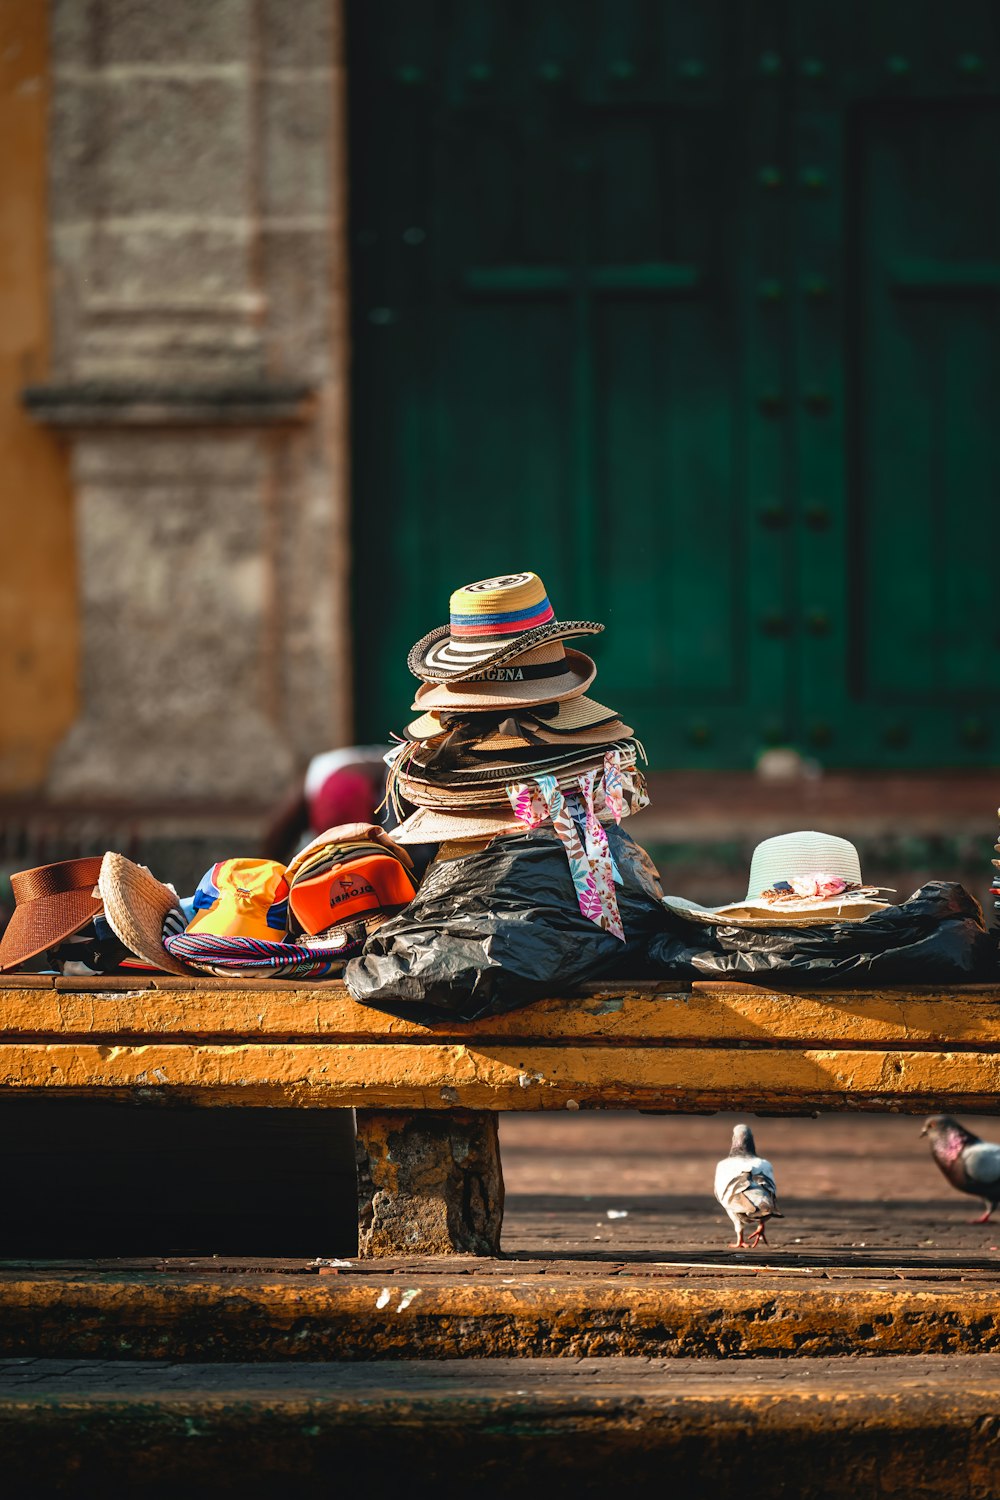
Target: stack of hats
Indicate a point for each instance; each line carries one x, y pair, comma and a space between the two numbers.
507, 740
504, 724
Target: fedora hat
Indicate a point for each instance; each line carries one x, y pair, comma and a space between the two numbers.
796, 879
52, 902
545, 674
491, 622
141, 910
354, 875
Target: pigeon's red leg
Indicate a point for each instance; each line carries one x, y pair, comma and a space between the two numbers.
738, 1242
758, 1236
984, 1218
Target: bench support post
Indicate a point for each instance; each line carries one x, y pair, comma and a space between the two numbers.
429, 1183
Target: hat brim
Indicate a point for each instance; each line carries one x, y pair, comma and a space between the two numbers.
425, 658
41, 924
136, 905
805, 913
578, 673
436, 826
428, 727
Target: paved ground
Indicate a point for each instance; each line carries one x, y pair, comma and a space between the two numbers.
859, 1184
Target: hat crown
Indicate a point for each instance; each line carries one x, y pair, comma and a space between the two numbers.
788, 855
509, 604
242, 898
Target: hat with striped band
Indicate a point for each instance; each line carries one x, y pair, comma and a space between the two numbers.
491, 622
546, 674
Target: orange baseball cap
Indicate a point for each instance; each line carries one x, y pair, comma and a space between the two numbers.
350, 874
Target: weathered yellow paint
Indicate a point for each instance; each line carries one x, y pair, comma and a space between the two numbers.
495, 1076
358, 1316
619, 1016
38, 611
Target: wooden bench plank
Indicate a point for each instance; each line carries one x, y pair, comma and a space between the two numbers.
495, 1076
613, 1015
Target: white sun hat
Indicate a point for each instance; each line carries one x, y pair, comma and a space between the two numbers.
795, 879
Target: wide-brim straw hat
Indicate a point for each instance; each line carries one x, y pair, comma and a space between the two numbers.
788, 857
53, 902
137, 907
572, 721
491, 622
546, 674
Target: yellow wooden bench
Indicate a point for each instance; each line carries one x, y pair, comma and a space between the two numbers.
427, 1098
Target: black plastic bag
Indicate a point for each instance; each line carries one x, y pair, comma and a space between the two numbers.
937, 935
490, 931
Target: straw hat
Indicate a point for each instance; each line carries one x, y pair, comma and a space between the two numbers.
484, 786
138, 907
433, 825
53, 902
796, 879
492, 622
545, 674
572, 721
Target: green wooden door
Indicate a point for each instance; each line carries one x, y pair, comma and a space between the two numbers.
628, 311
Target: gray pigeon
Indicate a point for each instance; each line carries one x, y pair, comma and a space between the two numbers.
744, 1185
970, 1165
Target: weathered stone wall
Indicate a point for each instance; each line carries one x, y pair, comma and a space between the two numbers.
198, 369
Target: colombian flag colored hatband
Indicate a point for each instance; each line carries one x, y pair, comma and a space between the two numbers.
492, 622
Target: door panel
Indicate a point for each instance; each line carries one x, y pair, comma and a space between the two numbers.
694, 309
551, 288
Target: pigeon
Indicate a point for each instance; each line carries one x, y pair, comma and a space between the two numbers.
744, 1185
970, 1165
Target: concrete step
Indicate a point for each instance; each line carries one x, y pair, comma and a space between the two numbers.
914, 1427
443, 1308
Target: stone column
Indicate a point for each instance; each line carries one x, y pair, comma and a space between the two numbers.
200, 328
428, 1183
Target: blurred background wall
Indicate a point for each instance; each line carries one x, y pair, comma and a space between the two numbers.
692, 308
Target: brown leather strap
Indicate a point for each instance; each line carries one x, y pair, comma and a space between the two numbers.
51, 880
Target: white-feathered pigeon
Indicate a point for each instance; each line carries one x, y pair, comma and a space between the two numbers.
744, 1185
970, 1165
